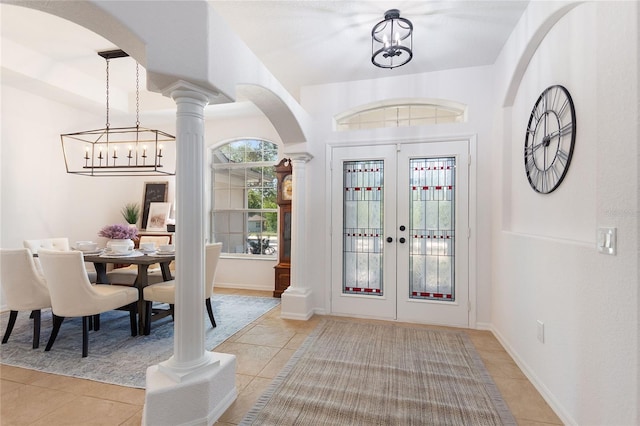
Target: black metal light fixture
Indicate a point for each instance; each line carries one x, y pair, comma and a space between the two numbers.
392, 41
120, 151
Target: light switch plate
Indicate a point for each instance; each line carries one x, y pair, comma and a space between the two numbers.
606, 240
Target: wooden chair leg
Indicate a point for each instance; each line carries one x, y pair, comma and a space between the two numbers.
173, 311
210, 312
12, 321
147, 317
133, 313
96, 322
85, 336
36, 328
57, 322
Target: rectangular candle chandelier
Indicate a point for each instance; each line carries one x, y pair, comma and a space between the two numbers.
119, 151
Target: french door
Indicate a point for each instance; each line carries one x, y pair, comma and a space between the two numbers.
399, 233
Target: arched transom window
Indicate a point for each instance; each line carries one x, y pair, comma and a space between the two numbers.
400, 113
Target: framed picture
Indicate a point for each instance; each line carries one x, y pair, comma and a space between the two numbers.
154, 192
158, 215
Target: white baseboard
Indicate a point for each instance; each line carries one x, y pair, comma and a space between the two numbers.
484, 326
256, 287
540, 387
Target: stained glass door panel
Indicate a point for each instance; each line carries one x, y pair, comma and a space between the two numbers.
363, 224
432, 228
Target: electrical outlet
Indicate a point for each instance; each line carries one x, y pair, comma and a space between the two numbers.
540, 331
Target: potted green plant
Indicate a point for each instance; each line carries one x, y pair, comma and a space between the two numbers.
131, 213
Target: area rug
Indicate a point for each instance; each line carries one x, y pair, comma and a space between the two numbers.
354, 373
114, 355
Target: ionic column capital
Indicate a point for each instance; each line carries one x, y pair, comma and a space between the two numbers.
299, 157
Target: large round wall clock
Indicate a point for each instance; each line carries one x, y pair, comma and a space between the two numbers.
551, 135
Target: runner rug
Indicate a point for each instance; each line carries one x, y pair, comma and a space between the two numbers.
353, 373
114, 355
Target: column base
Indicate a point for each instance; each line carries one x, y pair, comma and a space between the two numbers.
199, 399
180, 373
296, 304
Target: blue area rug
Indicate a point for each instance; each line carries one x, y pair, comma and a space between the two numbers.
114, 355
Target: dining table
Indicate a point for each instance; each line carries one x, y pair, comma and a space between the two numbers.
101, 260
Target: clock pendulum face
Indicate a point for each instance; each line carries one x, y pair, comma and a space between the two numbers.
551, 134
287, 187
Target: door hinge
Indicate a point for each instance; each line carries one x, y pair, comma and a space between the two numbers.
468, 233
468, 306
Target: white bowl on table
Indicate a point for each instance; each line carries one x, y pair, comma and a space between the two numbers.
86, 246
166, 248
148, 247
121, 249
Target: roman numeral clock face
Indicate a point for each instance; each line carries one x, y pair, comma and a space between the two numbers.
551, 134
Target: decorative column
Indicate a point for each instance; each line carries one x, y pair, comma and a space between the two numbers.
296, 300
192, 373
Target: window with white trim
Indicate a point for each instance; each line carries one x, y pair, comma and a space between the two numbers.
400, 114
244, 216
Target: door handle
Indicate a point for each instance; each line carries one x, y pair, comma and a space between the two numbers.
389, 239
402, 227
402, 240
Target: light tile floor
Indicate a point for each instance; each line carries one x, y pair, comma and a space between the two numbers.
262, 349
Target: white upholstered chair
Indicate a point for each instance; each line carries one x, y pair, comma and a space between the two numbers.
165, 292
128, 274
24, 289
72, 295
59, 243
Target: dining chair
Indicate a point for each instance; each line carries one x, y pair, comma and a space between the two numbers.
25, 289
127, 275
72, 295
165, 292
59, 243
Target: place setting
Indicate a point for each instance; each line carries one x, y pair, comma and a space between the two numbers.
87, 247
166, 250
149, 249
120, 250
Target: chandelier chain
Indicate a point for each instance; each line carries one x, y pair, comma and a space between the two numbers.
137, 95
107, 124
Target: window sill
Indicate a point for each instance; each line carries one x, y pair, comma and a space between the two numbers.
247, 257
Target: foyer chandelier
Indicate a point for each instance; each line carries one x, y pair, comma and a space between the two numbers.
119, 151
392, 41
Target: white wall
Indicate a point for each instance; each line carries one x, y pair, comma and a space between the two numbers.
545, 263
469, 86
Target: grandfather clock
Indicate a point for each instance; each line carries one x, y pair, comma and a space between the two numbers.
285, 191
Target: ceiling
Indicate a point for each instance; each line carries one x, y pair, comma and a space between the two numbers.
300, 42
